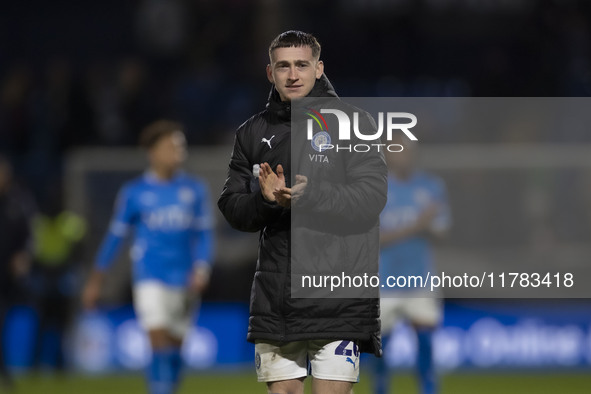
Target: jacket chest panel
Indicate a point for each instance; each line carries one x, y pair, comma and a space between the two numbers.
273, 146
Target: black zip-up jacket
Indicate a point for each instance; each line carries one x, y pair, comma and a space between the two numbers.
274, 314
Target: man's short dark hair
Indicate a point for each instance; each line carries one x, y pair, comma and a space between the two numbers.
155, 131
295, 38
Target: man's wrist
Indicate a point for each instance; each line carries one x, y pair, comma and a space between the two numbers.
96, 277
267, 201
202, 267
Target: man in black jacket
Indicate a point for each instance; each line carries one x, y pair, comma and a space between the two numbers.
289, 332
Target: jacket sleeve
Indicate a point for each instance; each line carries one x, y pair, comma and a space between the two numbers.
244, 209
361, 197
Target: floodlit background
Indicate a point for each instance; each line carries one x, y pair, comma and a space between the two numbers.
79, 80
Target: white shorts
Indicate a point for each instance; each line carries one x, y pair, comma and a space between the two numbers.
329, 360
419, 310
160, 306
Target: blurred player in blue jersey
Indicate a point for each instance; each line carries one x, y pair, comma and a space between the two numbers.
416, 213
170, 215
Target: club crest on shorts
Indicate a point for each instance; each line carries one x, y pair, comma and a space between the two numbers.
257, 360
319, 139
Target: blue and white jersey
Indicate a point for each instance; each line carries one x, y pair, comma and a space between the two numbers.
407, 199
172, 225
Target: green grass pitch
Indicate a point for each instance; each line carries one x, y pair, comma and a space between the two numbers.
245, 383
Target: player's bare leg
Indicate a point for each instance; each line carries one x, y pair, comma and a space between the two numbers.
292, 386
161, 339
321, 386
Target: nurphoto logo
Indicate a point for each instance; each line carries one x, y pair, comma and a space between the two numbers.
322, 141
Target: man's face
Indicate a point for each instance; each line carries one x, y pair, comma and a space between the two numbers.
294, 71
169, 152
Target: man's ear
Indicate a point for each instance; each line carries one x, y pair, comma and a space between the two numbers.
270, 74
319, 69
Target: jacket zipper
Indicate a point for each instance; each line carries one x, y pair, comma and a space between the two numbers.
283, 280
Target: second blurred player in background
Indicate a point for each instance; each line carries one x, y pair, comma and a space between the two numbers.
416, 213
171, 216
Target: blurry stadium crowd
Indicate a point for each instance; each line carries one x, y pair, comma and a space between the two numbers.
95, 74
